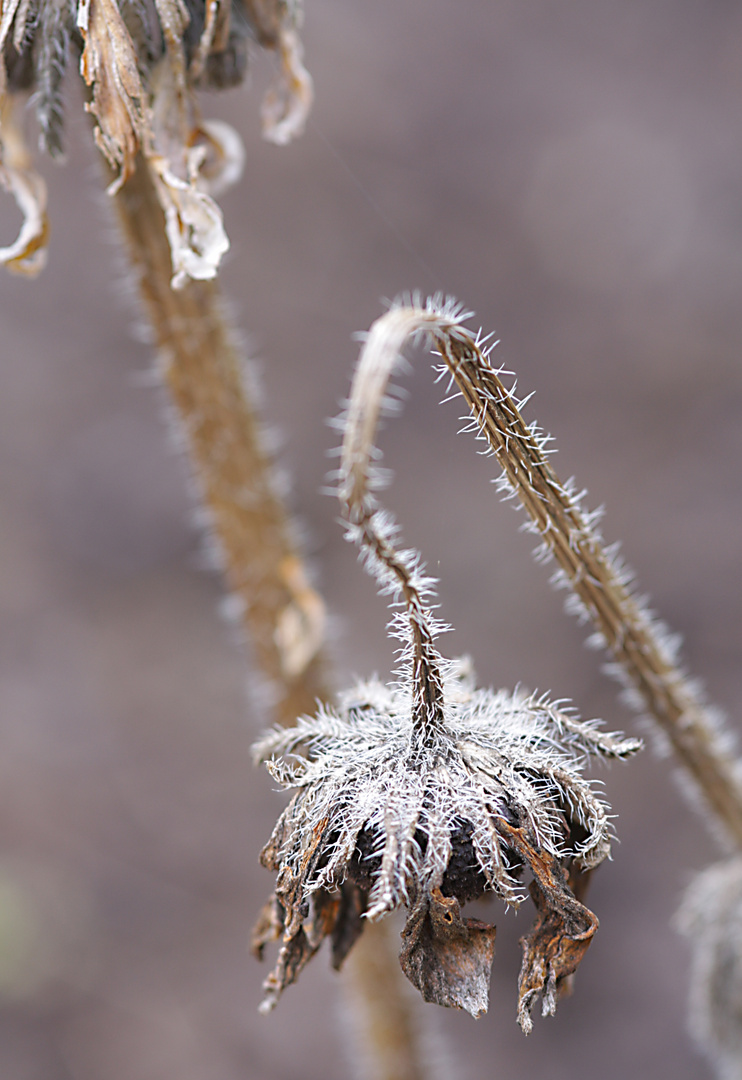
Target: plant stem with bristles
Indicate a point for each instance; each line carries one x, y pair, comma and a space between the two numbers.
642, 652
283, 616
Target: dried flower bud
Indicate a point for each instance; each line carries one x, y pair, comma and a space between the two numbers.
382, 819
142, 61
428, 792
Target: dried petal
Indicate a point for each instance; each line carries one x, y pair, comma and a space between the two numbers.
109, 65
446, 957
27, 255
334, 914
560, 935
193, 221
287, 103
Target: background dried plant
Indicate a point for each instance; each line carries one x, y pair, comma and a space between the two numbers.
125, 739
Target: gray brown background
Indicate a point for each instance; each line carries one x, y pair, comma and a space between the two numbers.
574, 173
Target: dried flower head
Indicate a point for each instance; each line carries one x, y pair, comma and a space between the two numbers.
142, 61
429, 792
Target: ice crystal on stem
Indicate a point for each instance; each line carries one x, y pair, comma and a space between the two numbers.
428, 792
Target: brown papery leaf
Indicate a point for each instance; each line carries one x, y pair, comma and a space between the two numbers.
109, 65
446, 957
561, 934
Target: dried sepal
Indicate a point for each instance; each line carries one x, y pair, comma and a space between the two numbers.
27, 254
301, 931
109, 66
446, 957
561, 933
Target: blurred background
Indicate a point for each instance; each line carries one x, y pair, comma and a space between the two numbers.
573, 173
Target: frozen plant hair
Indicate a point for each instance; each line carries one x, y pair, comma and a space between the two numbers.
428, 792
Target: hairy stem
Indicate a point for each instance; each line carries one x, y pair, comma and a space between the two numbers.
283, 616
398, 572
630, 634
201, 366
642, 651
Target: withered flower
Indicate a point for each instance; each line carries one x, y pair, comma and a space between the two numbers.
142, 61
428, 792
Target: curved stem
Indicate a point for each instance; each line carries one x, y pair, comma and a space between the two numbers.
398, 572
642, 650
639, 646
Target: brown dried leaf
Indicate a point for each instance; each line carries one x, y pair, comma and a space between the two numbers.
561, 933
336, 915
268, 928
295, 954
446, 957
109, 65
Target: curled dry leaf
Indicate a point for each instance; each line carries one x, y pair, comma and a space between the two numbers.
302, 923
109, 65
562, 932
193, 221
27, 255
287, 103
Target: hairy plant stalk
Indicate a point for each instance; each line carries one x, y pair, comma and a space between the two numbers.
282, 614
201, 366
642, 651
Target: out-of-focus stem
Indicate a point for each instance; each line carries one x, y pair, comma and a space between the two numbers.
282, 614
201, 366
390, 1040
